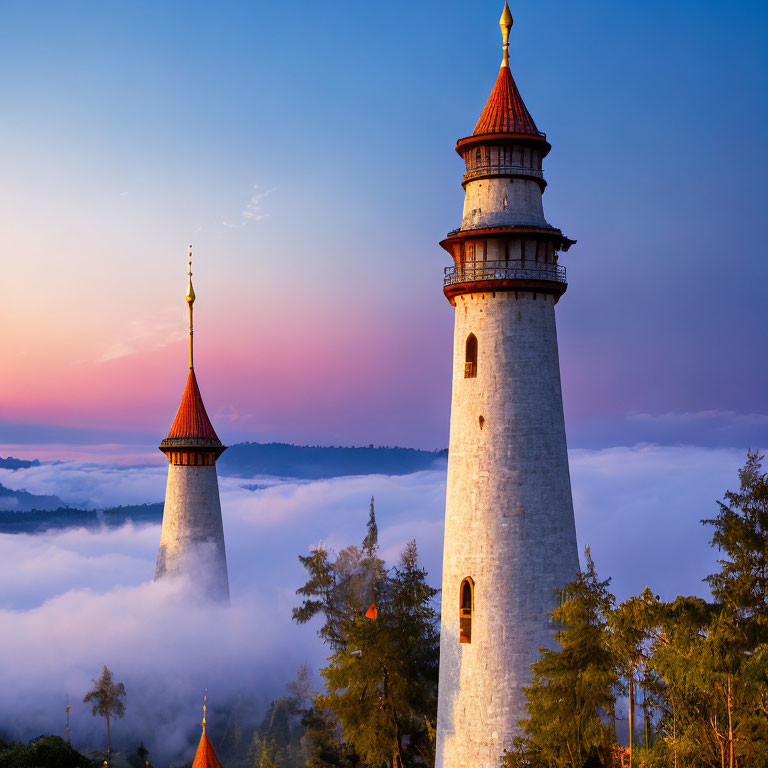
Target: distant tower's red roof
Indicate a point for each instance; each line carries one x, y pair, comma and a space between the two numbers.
191, 419
205, 757
505, 111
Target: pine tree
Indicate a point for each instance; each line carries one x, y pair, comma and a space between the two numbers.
382, 677
140, 758
416, 639
738, 636
320, 591
741, 535
382, 686
343, 588
573, 688
266, 753
108, 701
631, 625
371, 540
322, 742
690, 717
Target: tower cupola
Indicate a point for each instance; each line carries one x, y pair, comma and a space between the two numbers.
192, 438
504, 240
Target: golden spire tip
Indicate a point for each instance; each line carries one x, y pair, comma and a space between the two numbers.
205, 700
190, 289
190, 301
505, 22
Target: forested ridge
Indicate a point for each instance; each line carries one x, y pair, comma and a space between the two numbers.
318, 462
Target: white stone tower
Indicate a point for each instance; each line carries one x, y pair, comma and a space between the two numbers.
510, 538
192, 538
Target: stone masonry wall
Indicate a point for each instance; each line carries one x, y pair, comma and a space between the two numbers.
192, 537
508, 522
484, 203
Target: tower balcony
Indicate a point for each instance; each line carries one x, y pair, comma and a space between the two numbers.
484, 276
493, 169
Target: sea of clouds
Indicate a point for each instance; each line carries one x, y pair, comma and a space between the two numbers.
73, 600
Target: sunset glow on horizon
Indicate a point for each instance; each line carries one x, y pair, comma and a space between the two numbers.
315, 196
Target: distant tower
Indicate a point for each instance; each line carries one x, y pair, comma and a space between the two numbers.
192, 539
205, 757
510, 538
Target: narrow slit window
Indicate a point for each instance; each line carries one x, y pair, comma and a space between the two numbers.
470, 360
466, 608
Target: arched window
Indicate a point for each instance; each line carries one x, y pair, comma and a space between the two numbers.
470, 361
478, 157
466, 608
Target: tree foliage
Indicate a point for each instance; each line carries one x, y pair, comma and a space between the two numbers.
107, 699
573, 688
42, 752
381, 626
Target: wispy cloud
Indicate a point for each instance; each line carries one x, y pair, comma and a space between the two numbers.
720, 419
253, 211
147, 334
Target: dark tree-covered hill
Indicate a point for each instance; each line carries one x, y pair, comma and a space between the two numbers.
319, 462
38, 521
11, 463
23, 501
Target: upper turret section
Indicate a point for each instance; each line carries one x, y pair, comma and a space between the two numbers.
505, 111
505, 114
192, 438
504, 242
506, 141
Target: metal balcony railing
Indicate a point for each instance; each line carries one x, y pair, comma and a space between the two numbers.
478, 271
502, 170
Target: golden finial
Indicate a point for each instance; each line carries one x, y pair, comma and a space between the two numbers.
505, 22
190, 302
190, 290
205, 700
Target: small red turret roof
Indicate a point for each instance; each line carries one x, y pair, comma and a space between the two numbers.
205, 757
191, 419
505, 111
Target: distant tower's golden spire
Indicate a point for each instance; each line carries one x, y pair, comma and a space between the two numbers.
505, 22
205, 700
68, 741
190, 302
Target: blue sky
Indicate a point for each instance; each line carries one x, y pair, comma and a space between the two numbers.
307, 150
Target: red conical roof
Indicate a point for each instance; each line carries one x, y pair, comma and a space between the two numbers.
191, 419
505, 111
205, 757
